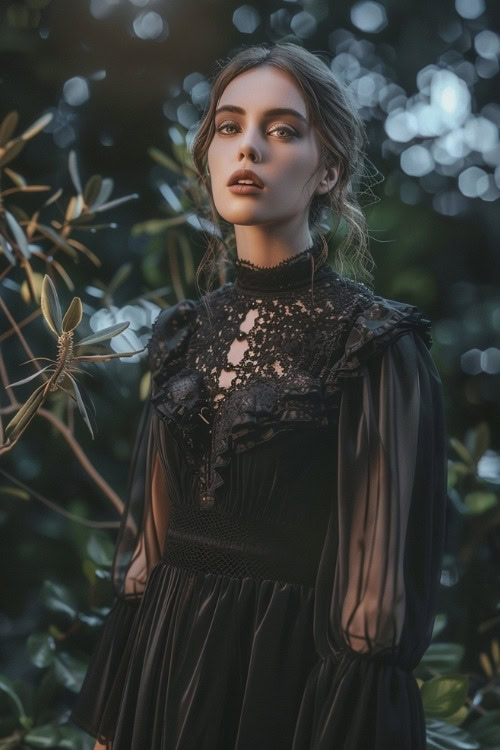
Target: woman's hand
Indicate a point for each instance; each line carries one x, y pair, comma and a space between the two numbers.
107, 746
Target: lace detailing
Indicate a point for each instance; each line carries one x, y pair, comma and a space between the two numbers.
291, 273
265, 363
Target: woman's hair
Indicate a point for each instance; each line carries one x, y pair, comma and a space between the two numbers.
342, 139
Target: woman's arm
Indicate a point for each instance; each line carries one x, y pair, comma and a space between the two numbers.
379, 572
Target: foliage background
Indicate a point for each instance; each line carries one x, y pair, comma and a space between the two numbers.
123, 77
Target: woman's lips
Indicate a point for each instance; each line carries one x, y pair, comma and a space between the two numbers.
244, 189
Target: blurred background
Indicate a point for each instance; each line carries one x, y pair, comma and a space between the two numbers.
125, 83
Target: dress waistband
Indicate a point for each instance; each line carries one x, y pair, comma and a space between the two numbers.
210, 541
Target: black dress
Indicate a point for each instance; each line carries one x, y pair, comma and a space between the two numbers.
278, 562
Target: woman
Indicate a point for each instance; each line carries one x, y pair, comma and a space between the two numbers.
278, 564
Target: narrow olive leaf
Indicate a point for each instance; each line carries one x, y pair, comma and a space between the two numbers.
83, 249
51, 308
116, 202
10, 153
19, 235
83, 219
157, 226
37, 126
73, 171
105, 357
462, 451
9, 124
30, 377
64, 275
73, 316
33, 281
481, 441
58, 240
81, 405
92, 189
119, 277
103, 334
6, 249
16, 178
161, 158
105, 190
25, 414
54, 197
187, 257
70, 210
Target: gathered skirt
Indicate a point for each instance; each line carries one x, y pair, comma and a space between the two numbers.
210, 662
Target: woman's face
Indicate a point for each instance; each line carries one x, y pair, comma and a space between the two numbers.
282, 148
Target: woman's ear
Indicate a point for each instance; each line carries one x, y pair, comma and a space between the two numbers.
330, 177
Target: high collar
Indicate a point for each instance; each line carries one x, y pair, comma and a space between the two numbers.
293, 272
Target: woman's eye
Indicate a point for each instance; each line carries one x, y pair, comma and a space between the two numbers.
289, 132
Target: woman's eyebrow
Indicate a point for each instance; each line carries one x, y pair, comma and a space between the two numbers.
273, 111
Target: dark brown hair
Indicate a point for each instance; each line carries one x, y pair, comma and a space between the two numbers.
342, 139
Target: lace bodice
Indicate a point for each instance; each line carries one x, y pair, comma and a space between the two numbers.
263, 352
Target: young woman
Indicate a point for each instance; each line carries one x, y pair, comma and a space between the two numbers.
279, 559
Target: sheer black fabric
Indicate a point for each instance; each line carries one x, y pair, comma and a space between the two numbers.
278, 561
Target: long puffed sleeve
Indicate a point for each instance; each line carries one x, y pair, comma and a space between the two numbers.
140, 543
379, 572
141, 537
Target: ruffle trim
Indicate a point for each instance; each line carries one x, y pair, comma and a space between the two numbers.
265, 410
169, 336
381, 323
366, 702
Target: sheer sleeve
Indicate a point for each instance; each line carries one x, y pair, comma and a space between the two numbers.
379, 572
139, 546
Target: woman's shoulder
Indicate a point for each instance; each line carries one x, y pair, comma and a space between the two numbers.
170, 330
368, 324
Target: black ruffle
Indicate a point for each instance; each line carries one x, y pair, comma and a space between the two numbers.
264, 410
169, 336
381, 323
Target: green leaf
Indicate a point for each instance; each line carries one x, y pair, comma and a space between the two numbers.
443, 696
443, 657
9, 124
13, 150
116, 202
462, 451
51, 308
58, 240
41, 648
73, 171
486, 730
31, 377
119, 277
105, 190
100, 549
479, 502
480, 441
6, 249
9, 688
73, 316
81, 406
69, 670
25, 414
59, 599
53, 736
37, 126
103, 334
92, 189
18, 233
443, 736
